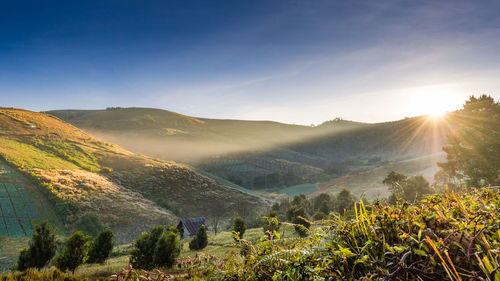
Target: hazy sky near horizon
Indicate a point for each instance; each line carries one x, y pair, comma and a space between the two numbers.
291, 61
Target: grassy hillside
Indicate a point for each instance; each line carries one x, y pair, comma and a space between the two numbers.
266, 155
180, 137
83, 177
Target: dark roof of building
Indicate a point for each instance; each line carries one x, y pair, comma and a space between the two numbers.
192, 225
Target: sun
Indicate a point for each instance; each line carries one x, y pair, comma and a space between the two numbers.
433, 101
436, 113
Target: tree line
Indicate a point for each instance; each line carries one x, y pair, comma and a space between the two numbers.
78, 249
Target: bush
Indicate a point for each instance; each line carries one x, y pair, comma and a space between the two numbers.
144, 246
239, 226
295, 211
344, 201
42, 248
156, 248
101, 247
90, 224
167, 249
74, 252
200, 241
271, 225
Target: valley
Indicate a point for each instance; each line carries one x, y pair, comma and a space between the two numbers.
271, 157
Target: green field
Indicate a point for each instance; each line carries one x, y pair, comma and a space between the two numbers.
305, 188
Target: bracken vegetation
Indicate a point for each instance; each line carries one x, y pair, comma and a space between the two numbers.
443, 237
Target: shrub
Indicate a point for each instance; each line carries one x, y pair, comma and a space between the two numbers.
144, 246
200, 241
295, 211
101, 247
239, 226
42, 248
90, 224
73, 253
271, 225
156, 248
344, 201
167, 249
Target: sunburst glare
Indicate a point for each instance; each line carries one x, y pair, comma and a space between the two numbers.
434, 101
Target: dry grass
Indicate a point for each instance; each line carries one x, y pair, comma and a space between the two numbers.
118, 207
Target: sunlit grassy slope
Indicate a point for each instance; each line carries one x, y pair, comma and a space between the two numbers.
79, 175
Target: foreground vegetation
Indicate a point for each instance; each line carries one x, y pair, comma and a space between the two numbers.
443, 237
451, 236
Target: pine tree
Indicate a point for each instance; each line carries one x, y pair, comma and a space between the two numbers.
42, 248
200, 241
74, 252
101, 247
142, 255
167, 249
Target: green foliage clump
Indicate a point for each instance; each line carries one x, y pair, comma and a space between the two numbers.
344, 201
239, 226
410, 189
90, 224
101, 247
144, 246
200, 241
443, 237
323, 203
271, 225
148, 244
42, 248
167, 249
295, 211
30, 274
74, 252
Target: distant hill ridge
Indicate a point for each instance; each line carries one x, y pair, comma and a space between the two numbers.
170, 135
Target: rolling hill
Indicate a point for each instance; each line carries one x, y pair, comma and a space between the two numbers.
265, 154
79, 178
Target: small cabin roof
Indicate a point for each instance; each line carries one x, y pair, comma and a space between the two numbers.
192, 225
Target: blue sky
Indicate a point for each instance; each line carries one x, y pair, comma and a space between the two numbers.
291, 61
